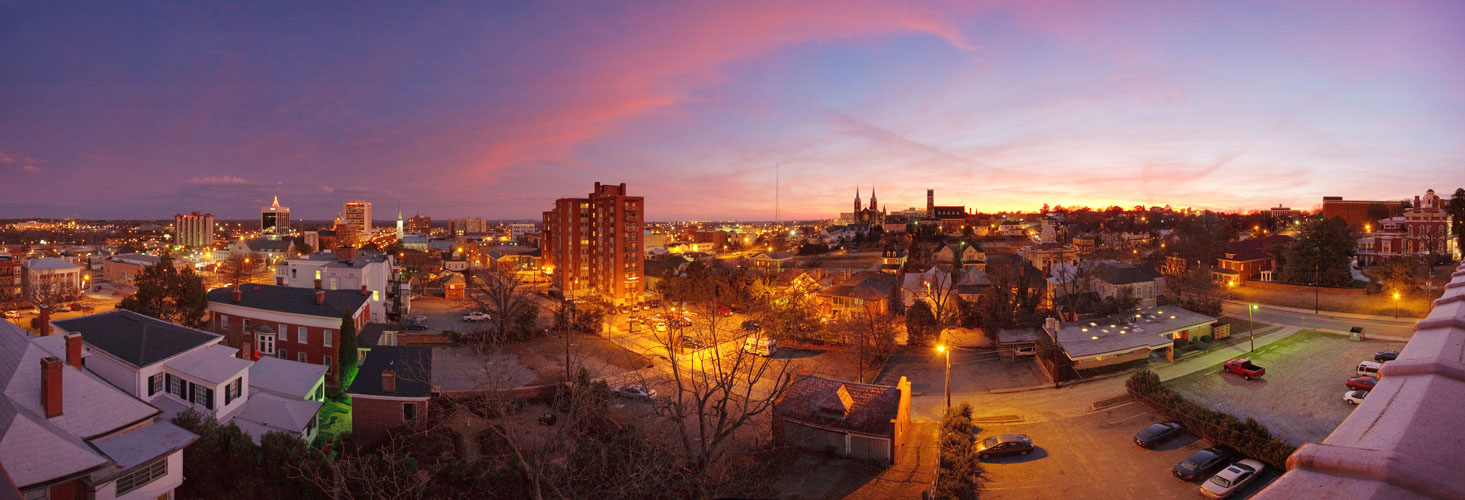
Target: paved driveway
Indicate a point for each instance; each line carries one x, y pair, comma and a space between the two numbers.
972, 372
1300, 399
1092, 456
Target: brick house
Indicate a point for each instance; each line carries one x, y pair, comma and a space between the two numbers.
863, 421
1248, 260
863, 292
299, 324
391, 390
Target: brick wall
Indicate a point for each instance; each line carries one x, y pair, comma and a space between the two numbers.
314, 350
372, 418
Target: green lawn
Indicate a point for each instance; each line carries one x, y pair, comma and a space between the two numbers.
335, 420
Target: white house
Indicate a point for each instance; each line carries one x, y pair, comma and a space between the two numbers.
348, 269
177, 369
50, 276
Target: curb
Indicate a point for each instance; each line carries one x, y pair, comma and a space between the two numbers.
1020, 389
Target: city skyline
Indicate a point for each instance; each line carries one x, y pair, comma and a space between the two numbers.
141, 112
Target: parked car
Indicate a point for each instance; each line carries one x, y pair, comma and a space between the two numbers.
632, 392
1362, 383
418, 318
12, 314
476, 316
724, 311
1202, 464
1243, 367
752, 325
1003, 445
660, 327
760, 346
1156, 434
1368, 369
63, 308
415, 325
1354, 397
87, 306
690, 342
1232, 479
1385, 356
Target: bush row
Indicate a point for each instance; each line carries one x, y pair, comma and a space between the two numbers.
960, 469
1249, 437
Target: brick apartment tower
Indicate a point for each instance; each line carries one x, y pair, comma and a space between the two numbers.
595, 245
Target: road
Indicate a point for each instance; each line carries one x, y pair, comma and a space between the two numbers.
1403, 327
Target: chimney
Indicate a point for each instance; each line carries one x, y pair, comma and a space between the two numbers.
73, 350
320, 297
45, 319
236, 294
280, 280
247, 351
364, 292
345, 254
389, 380
317, 283
51, 386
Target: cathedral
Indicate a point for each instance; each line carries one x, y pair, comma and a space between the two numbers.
873, 215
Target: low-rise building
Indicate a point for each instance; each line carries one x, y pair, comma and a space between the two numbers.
179, 369
771, 261
349, 269
300, 324
1143, 283
865, 292
1128, 336
1249, 260
1422, 230
392, 389
67, 433
271, 251
49, 277
862, 421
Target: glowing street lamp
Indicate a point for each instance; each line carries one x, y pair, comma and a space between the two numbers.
1396, 304
942, 348
1252, 332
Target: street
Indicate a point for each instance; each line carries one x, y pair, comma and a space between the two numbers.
1400, 328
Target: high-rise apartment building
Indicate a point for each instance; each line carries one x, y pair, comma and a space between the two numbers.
274, 219
594, 245
418, 224
471, 225
357, 214
194, 230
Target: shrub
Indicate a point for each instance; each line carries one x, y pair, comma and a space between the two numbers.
960, 469
1249, 437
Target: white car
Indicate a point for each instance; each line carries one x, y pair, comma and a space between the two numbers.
476, 316
1354, 397
1231, 479
635, 393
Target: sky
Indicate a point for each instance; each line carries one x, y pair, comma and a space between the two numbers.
494, 109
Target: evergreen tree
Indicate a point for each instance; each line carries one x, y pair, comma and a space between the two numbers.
347, 372
1320, 254
920, 324
1456, 208
166, 293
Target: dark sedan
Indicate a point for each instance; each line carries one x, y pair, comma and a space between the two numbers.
1385, 356
1203, 463
1003, 445
1156, 434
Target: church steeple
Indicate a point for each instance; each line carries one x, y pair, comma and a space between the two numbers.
857, 198
874, 205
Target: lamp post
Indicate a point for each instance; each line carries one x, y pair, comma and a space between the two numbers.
1252, 330
1396, 304
942, 348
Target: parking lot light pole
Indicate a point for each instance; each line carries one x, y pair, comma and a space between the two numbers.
1396, 304
1250, 319
942, 348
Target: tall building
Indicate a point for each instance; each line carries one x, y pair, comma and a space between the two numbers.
357, 214
400, 231
1359, 214
274, 219
194, 230
594, 244
418, 224
471, 225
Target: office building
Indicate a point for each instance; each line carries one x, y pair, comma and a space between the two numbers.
274, 219
357, 215
594, 244
194, 229
418, 224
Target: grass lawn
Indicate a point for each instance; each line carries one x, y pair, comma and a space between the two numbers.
1240, 326
1377, 304
335, 419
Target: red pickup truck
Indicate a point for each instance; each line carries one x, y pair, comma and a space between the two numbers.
1243, 367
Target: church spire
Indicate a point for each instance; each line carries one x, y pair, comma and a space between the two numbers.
857, 198
873, 203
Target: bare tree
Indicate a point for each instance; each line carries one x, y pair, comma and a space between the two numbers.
241, 268
512, 314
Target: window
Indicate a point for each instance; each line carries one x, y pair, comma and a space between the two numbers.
301, 336
328, 364
177, 387
327, 338
284, 333
155, 383
409, 412
141, 475
303, 358
223, 321
246, 324
320, 392
40, 494
282, 354
266, 343
202, 395
229, 394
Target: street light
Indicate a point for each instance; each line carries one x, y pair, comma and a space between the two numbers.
942, 348
1396, 304
1252, 331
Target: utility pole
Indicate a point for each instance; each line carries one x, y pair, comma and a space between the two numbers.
1316, 277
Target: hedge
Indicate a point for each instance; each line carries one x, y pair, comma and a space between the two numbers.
960, 470
1248, 437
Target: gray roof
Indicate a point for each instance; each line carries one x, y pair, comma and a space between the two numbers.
1125, 274
135, 338
291, 300
145, 443
1150, 330
413, 366
284, 377
216, 364
268, 245
50, 263
264, 413
35, 449
371, 334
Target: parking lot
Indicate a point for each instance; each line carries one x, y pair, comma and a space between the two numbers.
1300, 399
1094, 456
973, 372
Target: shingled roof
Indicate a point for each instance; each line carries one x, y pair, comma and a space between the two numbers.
864, 408
1254, 248
412, 364
868, 285
291, 299
137, 339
